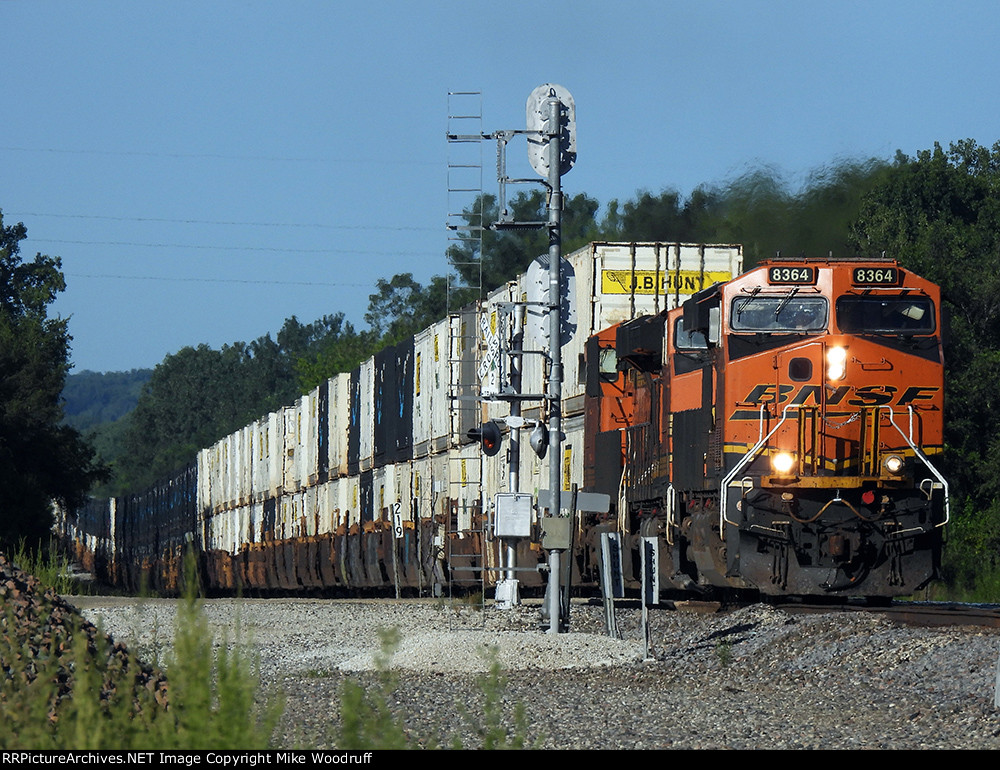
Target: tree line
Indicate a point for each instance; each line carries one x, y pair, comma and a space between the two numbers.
937, 212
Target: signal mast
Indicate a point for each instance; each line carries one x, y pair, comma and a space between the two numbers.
551, 139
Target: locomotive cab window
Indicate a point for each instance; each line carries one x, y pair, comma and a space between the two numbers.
608, 364
885, 315
698, 339
689, 340
784, 313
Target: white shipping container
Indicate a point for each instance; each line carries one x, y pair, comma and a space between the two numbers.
229, 471
465, 471
247, 439
423, 390
326, 505
218, 473
462, 363
241, 534
309, 437
349, 497
384, 490
291, 479
435, 378
290, 518
340, 416
367, 391
311, 511
430, 484
255, 523
496, 329
268, 465
204, 482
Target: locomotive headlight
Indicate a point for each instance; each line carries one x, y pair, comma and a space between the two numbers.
782, 462
893, 464
836, 363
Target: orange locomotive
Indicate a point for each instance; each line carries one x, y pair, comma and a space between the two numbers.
779, 432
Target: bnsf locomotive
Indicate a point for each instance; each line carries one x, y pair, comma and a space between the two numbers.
779, 431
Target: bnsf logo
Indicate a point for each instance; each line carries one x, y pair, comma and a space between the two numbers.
869, 395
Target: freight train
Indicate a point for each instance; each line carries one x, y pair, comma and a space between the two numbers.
774, 431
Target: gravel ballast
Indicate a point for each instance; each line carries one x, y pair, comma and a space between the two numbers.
754, 678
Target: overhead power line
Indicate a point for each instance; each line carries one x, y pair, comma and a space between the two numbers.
220, 156
277, 249
162, 220
209, 280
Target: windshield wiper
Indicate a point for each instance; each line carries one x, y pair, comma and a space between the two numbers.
746, 301
785, 301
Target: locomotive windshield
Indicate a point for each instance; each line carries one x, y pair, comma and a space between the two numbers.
885, 315
779, 313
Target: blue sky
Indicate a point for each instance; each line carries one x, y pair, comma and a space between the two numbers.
207, 169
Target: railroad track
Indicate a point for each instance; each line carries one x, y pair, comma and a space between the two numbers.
912, 613
916, 613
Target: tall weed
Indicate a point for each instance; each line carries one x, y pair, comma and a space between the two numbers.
48, 565
368, 722
74, 693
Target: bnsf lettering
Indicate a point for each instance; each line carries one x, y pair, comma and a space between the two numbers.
873, 395
869, 395
765, 394
916, 394
811, 394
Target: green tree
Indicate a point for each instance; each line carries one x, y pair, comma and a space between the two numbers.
41, 460
94, 398
198, 395
939, 213
401, 307
761, 211
506, 254
648, 217
335, 353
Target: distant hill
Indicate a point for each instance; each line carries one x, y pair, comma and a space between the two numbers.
98, 404
95, 398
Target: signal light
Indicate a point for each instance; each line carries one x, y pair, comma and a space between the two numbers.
539, 440
487, 434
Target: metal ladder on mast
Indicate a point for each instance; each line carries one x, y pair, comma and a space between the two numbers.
464, 530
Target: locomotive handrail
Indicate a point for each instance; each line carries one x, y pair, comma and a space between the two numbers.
919, 452
671, 512
747, 458
755, 450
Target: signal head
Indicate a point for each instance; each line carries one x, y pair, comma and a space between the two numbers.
488, 434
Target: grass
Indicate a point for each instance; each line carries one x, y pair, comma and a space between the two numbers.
493, 730
368, 721
76, 694
971, 561
79, 693
49, 566
724, 652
